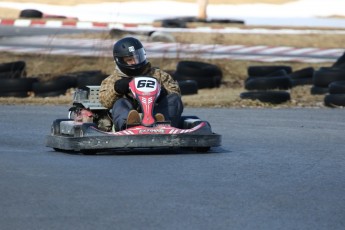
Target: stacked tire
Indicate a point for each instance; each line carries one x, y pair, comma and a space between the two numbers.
336, 94
336, 88
182, 22
13, 80
325, 76
188, 87
53, 87
302, 76
30, 13
15, 83
268, 84
206, 75
60, 84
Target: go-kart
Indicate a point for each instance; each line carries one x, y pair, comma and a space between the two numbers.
89, 129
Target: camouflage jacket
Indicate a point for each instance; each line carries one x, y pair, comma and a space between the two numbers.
108, 95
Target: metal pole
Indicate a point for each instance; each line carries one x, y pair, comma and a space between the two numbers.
202, 9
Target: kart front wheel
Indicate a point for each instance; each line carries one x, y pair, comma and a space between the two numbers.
88, 152
202, 149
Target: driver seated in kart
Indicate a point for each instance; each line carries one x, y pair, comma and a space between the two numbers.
130, 58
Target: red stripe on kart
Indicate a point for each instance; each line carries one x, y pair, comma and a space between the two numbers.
37, 22
100, 24
69, 23
7, 22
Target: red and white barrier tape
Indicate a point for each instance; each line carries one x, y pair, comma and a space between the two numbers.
149, 27
98, 48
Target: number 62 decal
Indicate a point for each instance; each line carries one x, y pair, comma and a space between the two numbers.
146, 84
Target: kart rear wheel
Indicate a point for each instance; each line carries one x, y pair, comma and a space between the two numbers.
64, 151
88, 152
202, 149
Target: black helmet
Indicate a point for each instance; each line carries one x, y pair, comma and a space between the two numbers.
130, 47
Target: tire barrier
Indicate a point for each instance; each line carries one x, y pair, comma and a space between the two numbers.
54, 87
17, 87
60, 84
257, 71
276, 80
181, 22
337, 87
188, 87
15, 83
336, 95
205, 74
317, 90
302, 77
158, 36
263, 78
324, 76
15, 69
340, 62
85, 78
267, 84
273, 97
30, 13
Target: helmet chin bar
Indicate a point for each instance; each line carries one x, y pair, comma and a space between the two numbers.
134, 70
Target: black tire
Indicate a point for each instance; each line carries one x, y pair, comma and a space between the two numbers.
170, 71
188, 87
173, 23
203, 82
205, 74
201, 149
337, 87
256, 71
89, 152
15, 74
317, 90
85, 73
274, 97
325, 75
307, 72
301, 81
267, 83
333, 100
30, 13
232, 21
200, 69
277, 73
90, 79
65, 151
14, 94
17, 66
17, 85
302, 77
340, 61
61, 83
55, 93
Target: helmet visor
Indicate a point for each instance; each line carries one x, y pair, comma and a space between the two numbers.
137, 56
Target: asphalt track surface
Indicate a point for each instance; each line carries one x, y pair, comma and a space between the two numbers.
276, 169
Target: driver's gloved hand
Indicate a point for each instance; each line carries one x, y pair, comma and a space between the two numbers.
121, 86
